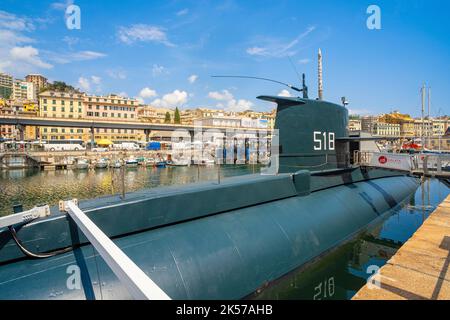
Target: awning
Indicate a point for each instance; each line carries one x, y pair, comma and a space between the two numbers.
104, 142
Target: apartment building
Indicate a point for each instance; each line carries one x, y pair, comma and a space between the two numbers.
23, 90
386, 129
354, 125
6, 85
68, 105
113, 108
39, 80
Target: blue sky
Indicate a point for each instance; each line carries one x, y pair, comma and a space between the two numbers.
165, 51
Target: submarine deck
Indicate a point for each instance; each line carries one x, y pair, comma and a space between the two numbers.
420, 268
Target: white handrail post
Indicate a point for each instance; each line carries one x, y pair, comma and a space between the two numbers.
140, 286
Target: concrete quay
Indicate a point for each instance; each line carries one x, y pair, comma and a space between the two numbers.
420, 268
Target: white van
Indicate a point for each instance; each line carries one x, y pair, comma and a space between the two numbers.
126, 146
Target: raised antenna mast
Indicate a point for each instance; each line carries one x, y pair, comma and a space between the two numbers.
320, 93
265, 79
304, 87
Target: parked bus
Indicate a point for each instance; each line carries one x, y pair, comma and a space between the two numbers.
64, 145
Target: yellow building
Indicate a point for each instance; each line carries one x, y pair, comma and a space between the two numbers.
404, 120
61, 105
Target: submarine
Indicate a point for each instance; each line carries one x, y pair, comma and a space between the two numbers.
210, 240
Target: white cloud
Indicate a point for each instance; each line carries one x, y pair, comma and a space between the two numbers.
12, 22
158, 70
147, 93
304, 61
175, 99
87, 84
256, 51
117, 74
276, 49
182, 12
96, 80
16, 55
71, 40
239, 105
29, 55
143, 33
84, 84
193, 78
123, 94
68, 57
284, 93
221, 96
231, 103
62, 5
12, 38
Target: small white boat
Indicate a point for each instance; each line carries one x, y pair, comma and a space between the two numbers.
131, 163
82, 164
149, 162
181, 162
116, 164
101, 164
206, 162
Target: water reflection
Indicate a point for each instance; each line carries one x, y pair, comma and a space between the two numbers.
341, 273
31, 187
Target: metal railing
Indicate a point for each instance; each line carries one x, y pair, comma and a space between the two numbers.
419, 163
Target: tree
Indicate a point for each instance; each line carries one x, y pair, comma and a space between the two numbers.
177, 117
167, 119
60, 86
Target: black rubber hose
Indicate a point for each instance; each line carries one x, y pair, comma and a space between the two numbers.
33, 255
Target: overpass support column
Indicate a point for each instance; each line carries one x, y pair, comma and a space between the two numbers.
21, 129
257, 146
147, 134
92, 136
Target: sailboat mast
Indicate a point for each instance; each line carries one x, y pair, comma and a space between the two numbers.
429, 127
423, 110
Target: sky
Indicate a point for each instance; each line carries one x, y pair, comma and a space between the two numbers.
165, 52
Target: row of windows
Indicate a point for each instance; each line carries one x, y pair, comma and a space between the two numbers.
63, 130
112, 101
45, 137
63, 102
97, 130
116, 108
70, 116
61, 137
63, 109
105, 114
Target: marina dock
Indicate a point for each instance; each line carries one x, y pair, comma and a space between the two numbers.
420, 268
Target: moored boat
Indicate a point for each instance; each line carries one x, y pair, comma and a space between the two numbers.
101, 164
131, 163
82, 164
115, 164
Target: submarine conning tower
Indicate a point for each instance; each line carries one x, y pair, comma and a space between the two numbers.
309, 132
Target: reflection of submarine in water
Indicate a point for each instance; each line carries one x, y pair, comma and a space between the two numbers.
218, 241
336, 276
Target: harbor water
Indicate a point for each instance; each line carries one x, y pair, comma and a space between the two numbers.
339, 274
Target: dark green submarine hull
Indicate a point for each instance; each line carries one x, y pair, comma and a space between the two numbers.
227, 250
